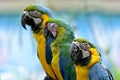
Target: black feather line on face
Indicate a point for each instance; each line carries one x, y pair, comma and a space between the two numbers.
84, 61
36, 28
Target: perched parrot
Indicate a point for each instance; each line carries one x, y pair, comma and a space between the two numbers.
63, 35
36, 17
87, 61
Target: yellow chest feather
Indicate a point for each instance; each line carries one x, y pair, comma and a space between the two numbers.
55, 47
41, 46
83, 71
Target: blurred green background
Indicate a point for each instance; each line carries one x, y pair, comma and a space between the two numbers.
96, 20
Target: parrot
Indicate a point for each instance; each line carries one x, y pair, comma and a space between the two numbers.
63, 35
36, 16
87, 61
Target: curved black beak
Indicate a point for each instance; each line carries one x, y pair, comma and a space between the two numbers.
23, 21
34, 23
75, 53
26, 20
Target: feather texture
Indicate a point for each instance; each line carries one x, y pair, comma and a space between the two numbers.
61, 62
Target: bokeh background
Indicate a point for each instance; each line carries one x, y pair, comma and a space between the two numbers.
96, 20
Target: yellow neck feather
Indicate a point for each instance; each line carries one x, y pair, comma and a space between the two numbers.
55, 47
83, 71
41, 46
45, 18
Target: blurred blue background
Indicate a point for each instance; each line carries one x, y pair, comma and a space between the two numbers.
98, 21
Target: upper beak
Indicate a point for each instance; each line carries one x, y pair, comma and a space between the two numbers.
35, 24
75, 53
24, 20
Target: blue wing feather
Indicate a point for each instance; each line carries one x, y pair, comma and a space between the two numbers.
49, 39
98, 72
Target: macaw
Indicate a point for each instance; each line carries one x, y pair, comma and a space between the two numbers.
36, 17
87, 61
63, 35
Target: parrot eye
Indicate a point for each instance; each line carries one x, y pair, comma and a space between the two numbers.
35, 14
85, 46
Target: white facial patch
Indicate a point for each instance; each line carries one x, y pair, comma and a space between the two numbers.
85, 53
37, 20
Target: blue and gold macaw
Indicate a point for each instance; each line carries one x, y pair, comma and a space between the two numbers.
88, 62
36, 17
61, 60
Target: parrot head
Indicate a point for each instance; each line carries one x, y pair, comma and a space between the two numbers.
80, 51
35, 16
56, 27
51, 30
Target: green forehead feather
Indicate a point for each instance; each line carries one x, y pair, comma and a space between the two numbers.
31, 8
84, 40
59, 22
39, 8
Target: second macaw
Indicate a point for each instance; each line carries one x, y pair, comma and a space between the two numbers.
61, 61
